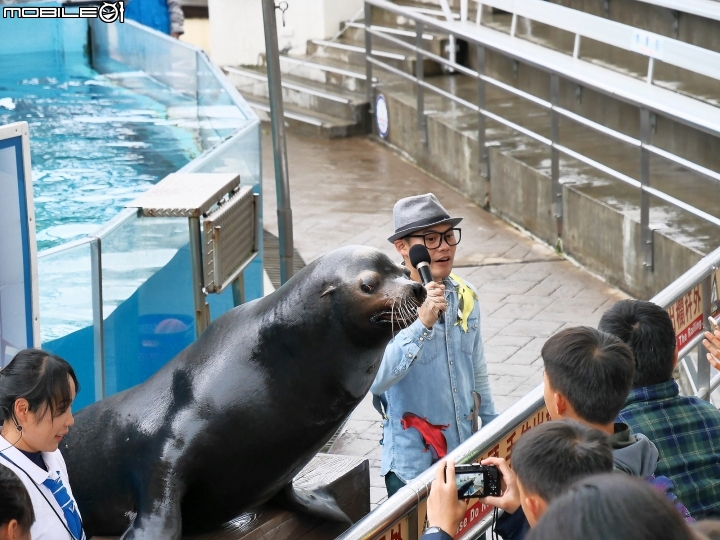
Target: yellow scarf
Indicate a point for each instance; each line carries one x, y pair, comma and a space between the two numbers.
466, 299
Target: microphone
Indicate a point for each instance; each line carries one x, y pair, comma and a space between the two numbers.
420, 259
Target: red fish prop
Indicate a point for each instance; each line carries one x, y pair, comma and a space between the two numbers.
431, 434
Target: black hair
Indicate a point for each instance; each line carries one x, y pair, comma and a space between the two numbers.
39, 377
611, 507
592, 370
647, 329
15, 502
551, 456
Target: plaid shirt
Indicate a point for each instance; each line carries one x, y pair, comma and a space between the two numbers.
686, 431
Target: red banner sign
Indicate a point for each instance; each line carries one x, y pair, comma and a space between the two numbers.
686, 315
477, 510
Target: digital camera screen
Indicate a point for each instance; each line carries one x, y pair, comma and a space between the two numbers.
470, 484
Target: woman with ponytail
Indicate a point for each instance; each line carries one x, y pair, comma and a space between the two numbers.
36, 394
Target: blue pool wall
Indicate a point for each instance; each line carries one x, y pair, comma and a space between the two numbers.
156, 321
58, 38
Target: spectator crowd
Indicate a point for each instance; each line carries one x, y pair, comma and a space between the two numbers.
625, 455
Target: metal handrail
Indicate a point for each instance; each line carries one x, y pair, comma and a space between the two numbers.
707, 9
406, 503
494, 40
409, 496
407, 499
548, 142
671, 51
480, 38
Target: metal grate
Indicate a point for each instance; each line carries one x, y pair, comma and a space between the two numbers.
229, 240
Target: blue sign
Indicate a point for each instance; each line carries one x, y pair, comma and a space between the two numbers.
19, 321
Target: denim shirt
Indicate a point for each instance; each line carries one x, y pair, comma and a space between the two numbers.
428, 376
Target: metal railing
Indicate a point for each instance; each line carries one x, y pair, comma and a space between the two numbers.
666, 103
407, 503
688, 299
695, 287
707, 9
584, 25
406, 509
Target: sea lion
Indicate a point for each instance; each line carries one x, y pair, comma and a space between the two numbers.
228, 422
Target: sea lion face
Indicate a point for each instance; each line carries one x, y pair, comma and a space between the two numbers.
376, 295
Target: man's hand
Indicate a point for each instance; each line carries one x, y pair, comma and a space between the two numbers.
434, 303
444, 509
176, 35
712, 344
509, 501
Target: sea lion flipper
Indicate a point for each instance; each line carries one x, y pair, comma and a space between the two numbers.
316, 500
158, 518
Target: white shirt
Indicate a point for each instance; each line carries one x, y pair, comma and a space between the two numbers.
47, 526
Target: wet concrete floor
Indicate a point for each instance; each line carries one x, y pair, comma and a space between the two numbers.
343, 192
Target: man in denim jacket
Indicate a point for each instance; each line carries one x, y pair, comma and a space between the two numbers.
433, 384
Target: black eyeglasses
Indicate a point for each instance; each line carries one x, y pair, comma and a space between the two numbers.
433, 240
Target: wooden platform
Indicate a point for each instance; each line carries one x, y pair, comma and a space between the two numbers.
349, 480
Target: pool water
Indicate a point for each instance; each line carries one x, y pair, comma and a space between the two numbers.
95, 145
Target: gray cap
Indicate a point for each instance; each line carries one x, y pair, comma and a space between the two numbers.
419, 212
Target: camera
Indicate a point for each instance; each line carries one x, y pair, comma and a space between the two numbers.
477, 481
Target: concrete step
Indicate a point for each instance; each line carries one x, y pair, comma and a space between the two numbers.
304, 94
384, 18
325, 71
602, 214
304, 123
353, 53
633, 64
433, 42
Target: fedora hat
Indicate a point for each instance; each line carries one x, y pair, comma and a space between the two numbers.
419, 212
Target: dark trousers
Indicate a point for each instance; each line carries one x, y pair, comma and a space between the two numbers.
393, 483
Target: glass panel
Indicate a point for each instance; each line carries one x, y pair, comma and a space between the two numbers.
147, 298
218, 116
146, 271
66, 314
239, 154
128, 47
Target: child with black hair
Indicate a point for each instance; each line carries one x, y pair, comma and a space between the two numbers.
588, 376
16, 511
690, 451
611, 507
36, 393
546, 461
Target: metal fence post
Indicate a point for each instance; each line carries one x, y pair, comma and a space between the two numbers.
201, 307
555, 153
238, 290
368, 53
98, 319
277, 118
484, 157
420, 74
413, 532
703, 368
646, 234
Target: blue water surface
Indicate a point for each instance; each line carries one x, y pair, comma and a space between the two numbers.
95, 145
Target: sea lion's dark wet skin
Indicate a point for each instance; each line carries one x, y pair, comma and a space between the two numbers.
235, 416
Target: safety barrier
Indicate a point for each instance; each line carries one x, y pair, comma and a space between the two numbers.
649, 99
120, 302
689, 300
404, 517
